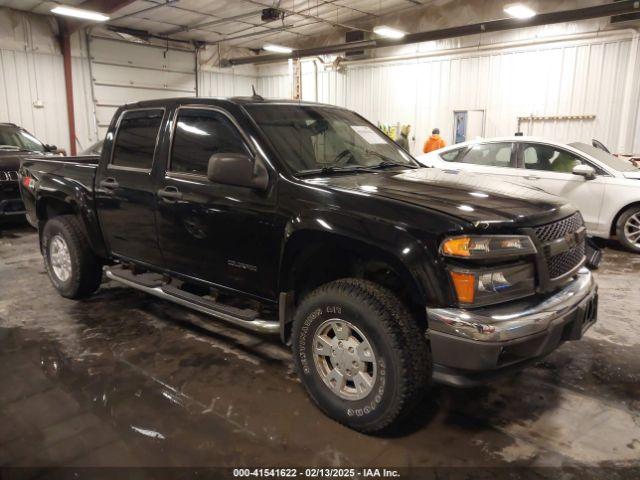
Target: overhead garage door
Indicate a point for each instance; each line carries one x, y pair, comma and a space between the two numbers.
124, 72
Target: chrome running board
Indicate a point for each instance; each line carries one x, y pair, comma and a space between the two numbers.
221, 311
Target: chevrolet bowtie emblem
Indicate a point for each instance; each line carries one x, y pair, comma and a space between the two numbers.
572, 239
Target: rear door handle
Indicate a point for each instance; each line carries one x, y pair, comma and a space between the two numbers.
109, 183
532, 177
170, 194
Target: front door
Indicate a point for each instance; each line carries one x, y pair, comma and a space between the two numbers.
550, 168
125, 188
223, 234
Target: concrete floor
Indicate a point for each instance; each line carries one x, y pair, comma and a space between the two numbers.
125, 379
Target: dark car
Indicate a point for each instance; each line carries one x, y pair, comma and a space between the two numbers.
15, 144
304, 220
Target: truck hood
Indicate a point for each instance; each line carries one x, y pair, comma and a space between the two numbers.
475, 198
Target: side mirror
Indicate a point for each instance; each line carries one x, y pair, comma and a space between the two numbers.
586, 171
237, 169
54, 149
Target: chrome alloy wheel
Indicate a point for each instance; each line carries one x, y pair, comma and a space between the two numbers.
344, 359
632, 229
60, 258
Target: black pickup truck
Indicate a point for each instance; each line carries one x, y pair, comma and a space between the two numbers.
304, 220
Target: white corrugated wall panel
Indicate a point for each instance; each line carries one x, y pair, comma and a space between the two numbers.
29, 77
85, 119
222, 84
542, 80
275, 86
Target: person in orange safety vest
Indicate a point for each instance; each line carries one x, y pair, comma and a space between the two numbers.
434, 142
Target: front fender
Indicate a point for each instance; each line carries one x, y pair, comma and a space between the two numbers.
416, 260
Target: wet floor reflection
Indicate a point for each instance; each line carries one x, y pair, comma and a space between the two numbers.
126, 379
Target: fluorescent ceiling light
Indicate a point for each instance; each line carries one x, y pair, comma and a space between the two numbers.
269, 47
388, 32
79, 13
518, 10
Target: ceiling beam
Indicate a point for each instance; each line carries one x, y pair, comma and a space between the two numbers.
217, 21
586, 13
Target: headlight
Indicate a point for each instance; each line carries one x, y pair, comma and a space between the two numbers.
487, 246
494, 285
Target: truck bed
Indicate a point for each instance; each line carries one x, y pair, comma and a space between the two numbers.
63, 184
75, 169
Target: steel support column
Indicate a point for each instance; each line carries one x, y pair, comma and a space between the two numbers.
65, 47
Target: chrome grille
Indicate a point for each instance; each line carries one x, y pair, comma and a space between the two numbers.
555, 230
9, 176
564, 262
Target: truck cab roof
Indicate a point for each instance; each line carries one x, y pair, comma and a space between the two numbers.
222, 101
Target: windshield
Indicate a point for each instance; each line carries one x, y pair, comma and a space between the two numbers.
12, 138
312, 139
606, 158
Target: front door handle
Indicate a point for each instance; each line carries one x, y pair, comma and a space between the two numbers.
170, 194
109, 183
531, 177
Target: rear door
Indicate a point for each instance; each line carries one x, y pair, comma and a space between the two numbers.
126, 190
223, 234
550, 168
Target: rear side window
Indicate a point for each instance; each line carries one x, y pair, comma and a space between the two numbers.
200, 133
490, 155
136, 139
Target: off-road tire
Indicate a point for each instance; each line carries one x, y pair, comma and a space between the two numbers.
86, 269
401, 351
622, 220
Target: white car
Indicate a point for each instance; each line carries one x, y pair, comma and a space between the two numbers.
605, 188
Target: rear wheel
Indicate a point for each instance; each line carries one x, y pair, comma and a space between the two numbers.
71, 264
360, 354
628, 229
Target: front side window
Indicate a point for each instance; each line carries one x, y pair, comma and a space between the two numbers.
490, 155
310, 138
548, 158
136, 138
200, 133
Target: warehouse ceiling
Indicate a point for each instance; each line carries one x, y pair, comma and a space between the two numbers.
238, 23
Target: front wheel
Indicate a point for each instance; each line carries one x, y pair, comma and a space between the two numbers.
628, 229
72, 266
360, 355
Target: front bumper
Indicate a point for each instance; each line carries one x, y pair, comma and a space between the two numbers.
473, 346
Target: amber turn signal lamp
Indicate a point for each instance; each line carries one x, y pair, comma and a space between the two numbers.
465, 285
457, 247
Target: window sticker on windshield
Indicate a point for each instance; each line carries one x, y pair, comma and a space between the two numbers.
368, 134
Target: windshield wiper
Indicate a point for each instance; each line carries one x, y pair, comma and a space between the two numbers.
388, 162
331, 170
